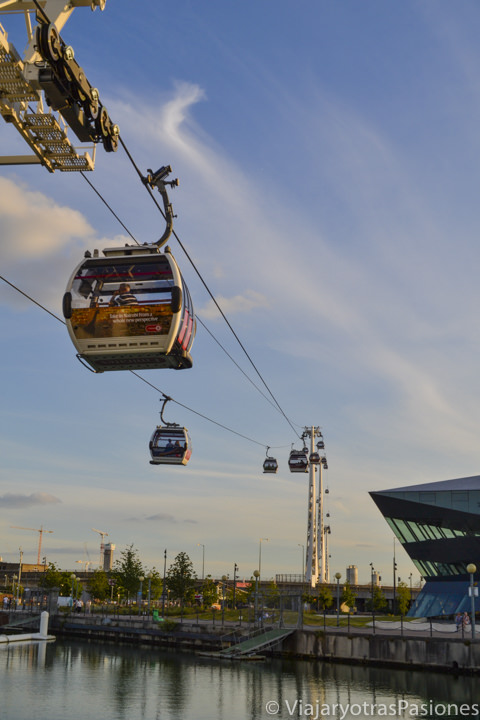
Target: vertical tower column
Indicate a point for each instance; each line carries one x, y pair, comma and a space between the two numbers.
311, 569
322, 577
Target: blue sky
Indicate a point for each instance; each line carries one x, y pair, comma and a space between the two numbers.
328, 157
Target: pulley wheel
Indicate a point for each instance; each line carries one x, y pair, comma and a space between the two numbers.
53, 45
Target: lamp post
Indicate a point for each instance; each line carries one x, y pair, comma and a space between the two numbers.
235, 570
203, 559
371, 580
256, 575
224, 584
149, 576
73, 577
260, 556
140, 593
394, 603
472, 569
338, 576
163, 586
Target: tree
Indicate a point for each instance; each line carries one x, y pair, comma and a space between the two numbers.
98, 585
51, 578
209, 592
403, 597
128, 570
272, 595
155, 582
379, 601
324, 598
348, 597
181, 579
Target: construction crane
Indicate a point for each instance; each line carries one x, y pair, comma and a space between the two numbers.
45, 92
87, 563
102, 545
40, 531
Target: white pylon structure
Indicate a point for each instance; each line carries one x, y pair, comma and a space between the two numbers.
316, 560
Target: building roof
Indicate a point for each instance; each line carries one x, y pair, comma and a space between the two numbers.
467, 483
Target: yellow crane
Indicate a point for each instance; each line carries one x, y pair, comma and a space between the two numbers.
40, 531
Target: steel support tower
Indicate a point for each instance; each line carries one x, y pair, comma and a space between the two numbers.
315, 561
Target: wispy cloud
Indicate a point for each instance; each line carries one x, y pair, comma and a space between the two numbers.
250, 300
12, 500
163, 518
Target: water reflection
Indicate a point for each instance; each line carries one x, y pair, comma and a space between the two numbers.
72, 680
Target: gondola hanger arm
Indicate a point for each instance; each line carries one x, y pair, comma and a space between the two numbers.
158, 180
166, 398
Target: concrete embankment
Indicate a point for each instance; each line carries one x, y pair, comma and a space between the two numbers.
431, 653
187, 636
447, 654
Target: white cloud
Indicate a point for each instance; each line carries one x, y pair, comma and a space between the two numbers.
34, 226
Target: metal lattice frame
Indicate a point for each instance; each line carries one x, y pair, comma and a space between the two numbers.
22, 102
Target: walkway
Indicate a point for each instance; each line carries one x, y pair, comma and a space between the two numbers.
265, 640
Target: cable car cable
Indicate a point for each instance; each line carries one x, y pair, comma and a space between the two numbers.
276, 405
236, 364
195, 412
31, 299
207, 288
109, 207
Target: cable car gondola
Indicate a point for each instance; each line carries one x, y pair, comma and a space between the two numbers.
170, 444
298, 460
314, 458
270, 464
131, 310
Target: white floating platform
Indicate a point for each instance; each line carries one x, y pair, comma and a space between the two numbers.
30, 637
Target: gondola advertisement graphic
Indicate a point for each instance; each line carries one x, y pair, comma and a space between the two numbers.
128, 321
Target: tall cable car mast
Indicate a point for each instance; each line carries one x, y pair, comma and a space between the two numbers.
316, 561
45, 92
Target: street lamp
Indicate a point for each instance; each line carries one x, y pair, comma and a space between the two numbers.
73, 577
203, 559
260, 556
163, 586
472, 569
149, 576
394, 603
140, 593
235, 570
224, 584
372, 569
338, 576
256, 575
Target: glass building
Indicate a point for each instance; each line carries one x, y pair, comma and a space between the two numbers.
438, 525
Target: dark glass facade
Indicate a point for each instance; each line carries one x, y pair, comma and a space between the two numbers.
438, 525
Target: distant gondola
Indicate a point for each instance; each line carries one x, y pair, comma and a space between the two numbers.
270, 464
170, 444
298, 460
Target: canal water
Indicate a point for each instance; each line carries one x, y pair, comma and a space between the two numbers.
71, 680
